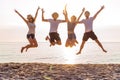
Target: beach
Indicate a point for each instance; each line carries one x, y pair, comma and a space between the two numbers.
59, 63
47, 71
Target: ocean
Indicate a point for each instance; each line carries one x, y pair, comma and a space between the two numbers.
91, 54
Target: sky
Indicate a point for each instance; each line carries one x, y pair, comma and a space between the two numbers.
14, 29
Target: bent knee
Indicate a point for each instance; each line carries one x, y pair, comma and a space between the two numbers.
52, 43
59, 43
35, 45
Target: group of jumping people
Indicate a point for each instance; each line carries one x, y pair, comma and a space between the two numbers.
54, 37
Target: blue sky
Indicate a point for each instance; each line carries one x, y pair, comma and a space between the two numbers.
13, 28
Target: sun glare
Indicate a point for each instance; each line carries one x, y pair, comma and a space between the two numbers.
69, 55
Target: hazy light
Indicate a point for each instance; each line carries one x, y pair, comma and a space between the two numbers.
69, 56
109, 17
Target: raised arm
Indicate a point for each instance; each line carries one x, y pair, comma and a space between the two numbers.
43, 19
81, 14
65, 14
98, 12
36, 14
21, 16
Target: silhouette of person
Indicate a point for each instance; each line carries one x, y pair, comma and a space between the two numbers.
54, 23
88, 23
30, 21
71, 24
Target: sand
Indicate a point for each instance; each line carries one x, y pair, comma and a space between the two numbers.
46, 71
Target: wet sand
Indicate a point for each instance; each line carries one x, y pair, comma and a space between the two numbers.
46, 71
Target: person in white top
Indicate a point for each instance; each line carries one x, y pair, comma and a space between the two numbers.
54, 23
30, 21
88, 23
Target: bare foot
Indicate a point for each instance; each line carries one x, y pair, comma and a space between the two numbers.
22, 49
50, 45
47, 38
26, 49
78, 53
105, 51
76, 41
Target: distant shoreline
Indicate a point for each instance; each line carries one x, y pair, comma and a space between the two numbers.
47, 71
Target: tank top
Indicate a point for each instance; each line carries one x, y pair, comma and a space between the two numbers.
71, 27
31, 27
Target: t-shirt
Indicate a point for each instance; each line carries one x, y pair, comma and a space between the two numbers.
54, 25
31, 27
88, 24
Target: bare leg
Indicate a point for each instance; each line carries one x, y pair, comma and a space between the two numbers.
59, 43
71, 43
22, 49
74, 41
47, 38
51, 44
67, 43
81, 47
28, 46
33, 44
98, 42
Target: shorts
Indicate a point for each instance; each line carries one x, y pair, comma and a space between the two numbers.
71, 36
32, 36
88, 35
54, 37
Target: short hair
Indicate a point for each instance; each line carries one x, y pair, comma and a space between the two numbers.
87, 12
55, 13
74, 17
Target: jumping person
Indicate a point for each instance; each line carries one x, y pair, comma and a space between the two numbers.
54, 35
30, 21
71, 24
88, 23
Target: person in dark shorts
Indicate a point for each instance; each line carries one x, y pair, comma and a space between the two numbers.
54, 37
30, 21
32, 36
88, 22
71, 24
88, 35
